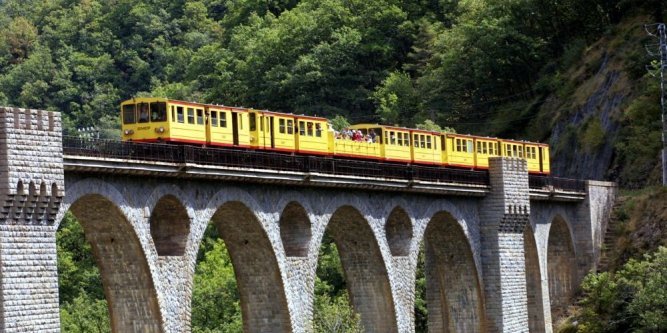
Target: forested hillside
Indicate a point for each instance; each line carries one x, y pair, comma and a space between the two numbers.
570, 73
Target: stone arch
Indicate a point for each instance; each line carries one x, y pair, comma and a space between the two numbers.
561, 266
536, 322
170, 226
126, 277
398, 231
295, 230
453, 291
365, 272
263, 300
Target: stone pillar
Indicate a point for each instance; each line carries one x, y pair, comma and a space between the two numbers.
504, 215
31, 188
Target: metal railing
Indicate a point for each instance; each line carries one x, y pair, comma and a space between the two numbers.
550, 183
289, 162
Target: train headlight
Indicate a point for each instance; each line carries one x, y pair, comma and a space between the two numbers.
159, 129
128, 132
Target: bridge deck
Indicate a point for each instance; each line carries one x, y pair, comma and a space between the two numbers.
115, 157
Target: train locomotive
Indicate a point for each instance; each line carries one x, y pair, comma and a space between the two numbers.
149, 119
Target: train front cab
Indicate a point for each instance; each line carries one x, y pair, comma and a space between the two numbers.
227, 127
162, 120
272, 131
347, 147
313, 136
426, 149
459, 151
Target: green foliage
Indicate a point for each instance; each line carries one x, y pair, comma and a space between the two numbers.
215, 298
421, 311
633, 299
335, 315
639, 142
397, 99
591, 136
339, 122
85, 314
83, 307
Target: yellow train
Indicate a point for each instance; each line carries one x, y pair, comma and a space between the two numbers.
164, 120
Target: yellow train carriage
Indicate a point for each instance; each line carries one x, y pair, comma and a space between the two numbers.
369, 147
397, 144
313, 136
227, 126
535, 154
162, 120
459, 150
272, 131
485, 147
425, 148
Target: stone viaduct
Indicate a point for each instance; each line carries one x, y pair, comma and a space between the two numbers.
501, 257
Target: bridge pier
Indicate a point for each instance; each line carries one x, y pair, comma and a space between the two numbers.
504, 216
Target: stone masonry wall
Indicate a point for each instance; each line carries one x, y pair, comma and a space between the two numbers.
31, 188
29, 275
504, 215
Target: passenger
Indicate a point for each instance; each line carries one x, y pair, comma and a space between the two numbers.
373, 136
143, 113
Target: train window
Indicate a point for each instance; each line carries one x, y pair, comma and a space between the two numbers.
179, 114
406, 139
458, 145
415, 139
310, 128
173, 113
129, 116
191, 116
290, 126
281, 126
443, 143
302, 128
520, 151
386, 137
471, 148
485, 148
496, 148
479, 147
318, 130
223, 118
143, 112
200, 116
261, 123
392, 137
214, 118
423, 141
158, 111
400, 138
428, 141
253, 122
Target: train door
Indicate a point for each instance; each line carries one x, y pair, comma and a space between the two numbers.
235, 128
271, 132
207, 125
541, 154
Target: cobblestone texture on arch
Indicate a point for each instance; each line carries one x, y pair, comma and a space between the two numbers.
276, 232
